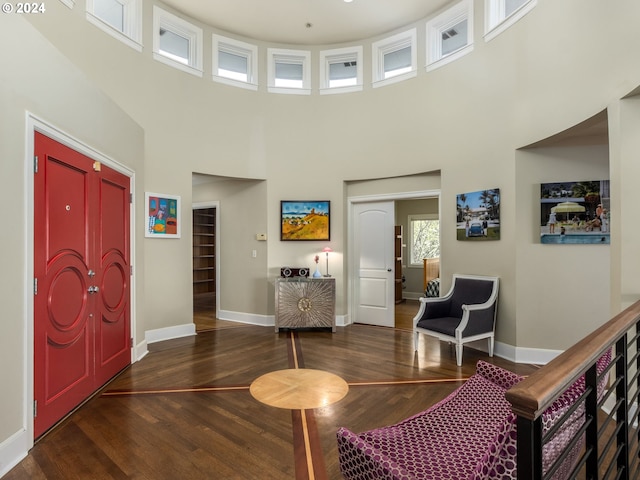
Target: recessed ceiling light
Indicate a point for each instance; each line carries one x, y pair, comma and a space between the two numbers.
348, 1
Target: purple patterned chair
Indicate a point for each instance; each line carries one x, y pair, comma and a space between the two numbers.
470, 435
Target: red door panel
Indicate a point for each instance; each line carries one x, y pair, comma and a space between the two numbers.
63, 341
113, 335
71, 344
65, 206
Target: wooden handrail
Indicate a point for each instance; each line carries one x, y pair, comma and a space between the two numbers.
531, 397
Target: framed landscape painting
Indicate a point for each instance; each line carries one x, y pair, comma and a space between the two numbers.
478, 215
304, 220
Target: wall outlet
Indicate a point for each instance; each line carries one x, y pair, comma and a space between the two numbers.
261, 236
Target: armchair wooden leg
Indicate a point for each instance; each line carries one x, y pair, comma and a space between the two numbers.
415, 341
459, 348
491, 346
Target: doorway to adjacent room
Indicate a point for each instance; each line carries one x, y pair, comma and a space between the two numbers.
374, 257
204, 266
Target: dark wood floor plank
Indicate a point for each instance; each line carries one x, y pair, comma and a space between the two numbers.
214, 428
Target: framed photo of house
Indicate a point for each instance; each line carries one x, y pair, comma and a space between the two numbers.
162, 215
575, 212
478, 215
305, 220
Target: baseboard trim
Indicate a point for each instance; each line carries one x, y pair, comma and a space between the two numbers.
169, 333
536, 356
412, 295
250, 318
141, 350
13, 450
342, 320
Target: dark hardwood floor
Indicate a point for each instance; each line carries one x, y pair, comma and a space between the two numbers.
185, 410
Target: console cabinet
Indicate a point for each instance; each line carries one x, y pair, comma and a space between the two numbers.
305, 303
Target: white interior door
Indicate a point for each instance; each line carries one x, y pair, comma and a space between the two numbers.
373, 255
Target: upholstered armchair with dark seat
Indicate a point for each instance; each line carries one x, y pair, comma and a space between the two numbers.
466, 314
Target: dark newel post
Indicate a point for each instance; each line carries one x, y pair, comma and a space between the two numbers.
591, 417
622, 413
529, 449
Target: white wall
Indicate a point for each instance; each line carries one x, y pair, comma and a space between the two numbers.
624, 140
563, 290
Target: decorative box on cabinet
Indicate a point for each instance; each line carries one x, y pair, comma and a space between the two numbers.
305, 303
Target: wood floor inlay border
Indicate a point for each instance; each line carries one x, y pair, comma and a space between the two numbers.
295, 351
231, 388
407, 382
308, 456
165, 391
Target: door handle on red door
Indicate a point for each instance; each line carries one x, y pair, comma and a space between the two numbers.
93, 289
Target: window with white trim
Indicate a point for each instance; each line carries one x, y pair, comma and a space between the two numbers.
450, 35
177, 42
394, 58
341, 70
501, 14
289, 71
424, 238
235, 62
122, 19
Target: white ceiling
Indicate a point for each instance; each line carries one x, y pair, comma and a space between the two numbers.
285, 21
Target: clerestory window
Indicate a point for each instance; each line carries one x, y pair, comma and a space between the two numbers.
289, 71
235, 62
394, 58
341, 70
501, 14
450, 35
177, 42
122, 19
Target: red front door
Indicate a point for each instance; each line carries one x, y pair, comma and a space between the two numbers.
82, 271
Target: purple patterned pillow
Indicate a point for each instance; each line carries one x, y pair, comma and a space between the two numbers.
499, 376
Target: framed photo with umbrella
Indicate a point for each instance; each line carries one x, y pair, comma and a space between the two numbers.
575, 212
